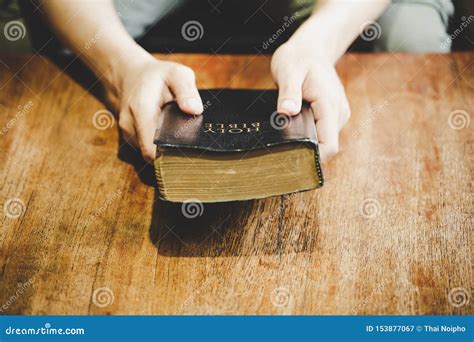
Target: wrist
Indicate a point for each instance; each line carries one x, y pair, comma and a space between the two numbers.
313, 49
122, 62
316, 41
334, 25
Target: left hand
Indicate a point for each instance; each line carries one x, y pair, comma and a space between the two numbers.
302, 75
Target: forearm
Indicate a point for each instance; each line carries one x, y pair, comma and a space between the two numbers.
335, 24
94, 31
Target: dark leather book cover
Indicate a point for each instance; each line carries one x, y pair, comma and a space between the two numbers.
236, 120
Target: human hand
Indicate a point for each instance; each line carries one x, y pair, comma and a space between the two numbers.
139, 91
302, 75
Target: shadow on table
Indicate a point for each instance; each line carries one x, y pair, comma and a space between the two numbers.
197, 229
79, 72
247, 228
132, 156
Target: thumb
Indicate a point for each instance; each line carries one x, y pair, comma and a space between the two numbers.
326, 127
182, 83
289, 93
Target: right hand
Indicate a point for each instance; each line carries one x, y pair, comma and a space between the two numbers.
142, 89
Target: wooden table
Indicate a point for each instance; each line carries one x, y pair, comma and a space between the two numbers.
82, 231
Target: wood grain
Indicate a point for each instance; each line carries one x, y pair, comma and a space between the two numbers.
390, 232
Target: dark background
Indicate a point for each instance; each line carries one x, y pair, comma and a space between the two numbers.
166, 35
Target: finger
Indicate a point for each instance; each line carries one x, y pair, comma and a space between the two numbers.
145, 109
289, 93
145, 127
327, 128
127, 128
182, 83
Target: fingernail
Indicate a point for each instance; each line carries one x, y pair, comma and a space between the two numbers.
194, 105
290, 106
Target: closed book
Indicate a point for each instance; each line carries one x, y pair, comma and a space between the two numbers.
240, 148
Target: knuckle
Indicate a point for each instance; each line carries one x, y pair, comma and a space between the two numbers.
181, 71
332, 149
148, 153
345, 114
188, 72
172, 74
124, 124
347, 110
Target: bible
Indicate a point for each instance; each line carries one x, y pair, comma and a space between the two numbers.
240, 148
